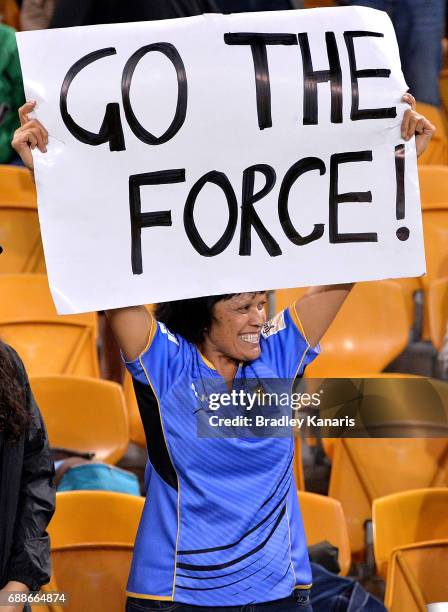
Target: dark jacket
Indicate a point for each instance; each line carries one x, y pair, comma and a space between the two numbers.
27, 499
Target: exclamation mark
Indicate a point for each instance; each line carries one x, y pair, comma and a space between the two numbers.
400, 150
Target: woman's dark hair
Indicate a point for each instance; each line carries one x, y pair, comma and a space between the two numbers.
14, 418
189, 318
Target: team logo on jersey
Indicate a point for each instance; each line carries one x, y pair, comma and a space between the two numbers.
274, 325
170, 336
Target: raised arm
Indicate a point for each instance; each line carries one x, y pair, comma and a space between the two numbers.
131, 327
318, 308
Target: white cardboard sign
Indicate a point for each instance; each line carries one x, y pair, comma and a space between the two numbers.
219, 154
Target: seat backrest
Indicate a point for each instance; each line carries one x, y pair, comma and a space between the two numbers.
433, 181
370, 330
20, 239
285, 297
435, 227
16, 186
94, 517
366, 469
84, 414
417, 576
92, 535
47, 342
437, 151
406, 518
438, 311
323, 519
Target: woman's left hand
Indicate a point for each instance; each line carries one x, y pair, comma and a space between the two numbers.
416, 125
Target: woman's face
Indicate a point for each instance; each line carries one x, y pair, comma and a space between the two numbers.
236, 326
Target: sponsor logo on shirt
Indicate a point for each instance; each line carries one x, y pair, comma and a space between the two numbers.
274, 325
169, 335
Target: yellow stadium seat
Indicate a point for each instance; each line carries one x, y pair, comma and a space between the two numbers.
92, 536
433, 186
84, 414
434, 196
435, 227
285, 297
47, 342
438, 311
370, 330
329, 443
417, 576
437, 151
136, 431
20, 239
17, 186
406, 518
323, 519
10, 13
365, 469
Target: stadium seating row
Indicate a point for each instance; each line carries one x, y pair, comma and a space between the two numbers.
92, 535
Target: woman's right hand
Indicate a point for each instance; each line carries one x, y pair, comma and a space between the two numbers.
29, 135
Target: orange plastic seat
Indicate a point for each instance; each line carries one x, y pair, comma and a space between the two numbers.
437, 151
370, 330
47, 342
285, 297
435, 227
433, 186
417, 577
17, 186
84, 414
438, 311
365, 469
406, 518
323, 519
20, 239
329, 443
434, 197
11, 14
92, 536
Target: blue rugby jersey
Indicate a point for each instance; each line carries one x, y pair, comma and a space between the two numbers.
221, 525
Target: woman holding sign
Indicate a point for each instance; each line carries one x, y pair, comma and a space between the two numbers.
221, 528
